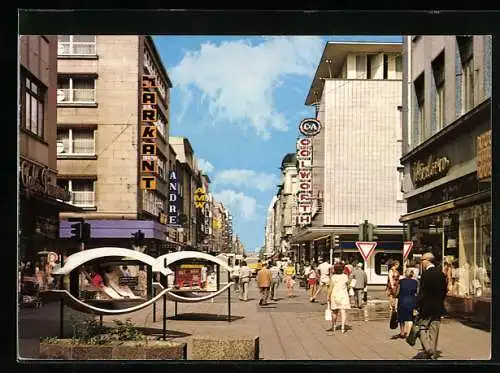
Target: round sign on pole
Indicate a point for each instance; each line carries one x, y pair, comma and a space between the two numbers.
310, 127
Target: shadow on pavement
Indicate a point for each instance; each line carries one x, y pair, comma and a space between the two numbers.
159, 332
203, 317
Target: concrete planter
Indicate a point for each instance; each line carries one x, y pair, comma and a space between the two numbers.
64, 349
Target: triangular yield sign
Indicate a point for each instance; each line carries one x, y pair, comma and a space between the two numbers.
407, 246
366, 248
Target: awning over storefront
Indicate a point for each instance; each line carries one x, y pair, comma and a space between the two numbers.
446, 206
60, 205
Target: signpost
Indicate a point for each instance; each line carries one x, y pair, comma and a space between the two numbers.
407, 246
366, 248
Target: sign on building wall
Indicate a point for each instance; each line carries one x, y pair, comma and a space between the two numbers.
148, 149
483, 145
304, 179
173, 199
200, 198
310, 127
430, 170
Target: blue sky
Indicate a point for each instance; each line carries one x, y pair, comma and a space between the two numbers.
239, 100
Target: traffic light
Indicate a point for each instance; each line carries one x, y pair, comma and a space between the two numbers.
361, 234
370, 230
85, 234
76, 230
138, 238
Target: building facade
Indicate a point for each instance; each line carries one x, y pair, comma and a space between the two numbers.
356, 174
113, 157
269, 230
447, 156
40, 198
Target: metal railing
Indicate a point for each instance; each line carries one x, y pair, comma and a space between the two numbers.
75, 95
76, 48
83, 199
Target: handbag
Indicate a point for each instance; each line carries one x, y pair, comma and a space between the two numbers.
393, 323
328, 314
411, 339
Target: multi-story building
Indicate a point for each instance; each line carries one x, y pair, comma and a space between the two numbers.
187, 174
447, 157
218, 226
115, 167
39, 195
355, 162
269, 230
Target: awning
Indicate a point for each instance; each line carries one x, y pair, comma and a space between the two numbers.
60, 205
317, 233
447, 206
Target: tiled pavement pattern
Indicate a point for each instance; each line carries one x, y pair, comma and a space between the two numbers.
289, 329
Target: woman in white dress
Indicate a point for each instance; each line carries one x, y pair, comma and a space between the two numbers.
338, 296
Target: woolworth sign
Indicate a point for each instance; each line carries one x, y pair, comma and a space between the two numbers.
310, 127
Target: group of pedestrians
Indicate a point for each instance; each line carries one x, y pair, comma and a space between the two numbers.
419, 304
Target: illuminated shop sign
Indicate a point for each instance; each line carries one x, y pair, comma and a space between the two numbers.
200, 198
423, 173
149, 132
304, 176
310, 127
173, 199
38, 179
483, 143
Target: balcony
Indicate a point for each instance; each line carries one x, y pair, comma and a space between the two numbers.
76, 49
70, 96
83, 199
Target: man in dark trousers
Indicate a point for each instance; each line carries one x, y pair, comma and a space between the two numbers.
430, 306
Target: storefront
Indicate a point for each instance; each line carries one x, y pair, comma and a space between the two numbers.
448, 192
40, 202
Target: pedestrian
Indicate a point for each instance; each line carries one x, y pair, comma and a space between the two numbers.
338, 296
359, 283
406, 302
275, 280
245, 275
235, 275
393, 285
264, 282
430, 306
312, 280
324, 269
290, 278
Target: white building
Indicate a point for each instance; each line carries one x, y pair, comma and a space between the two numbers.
269, 232
357, 91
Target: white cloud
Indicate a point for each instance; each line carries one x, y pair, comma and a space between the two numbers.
247, 178
238, 78
205, 166
239, 203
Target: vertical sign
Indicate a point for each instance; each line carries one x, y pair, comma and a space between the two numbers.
173, 199
483, 144
304, 195
148, 151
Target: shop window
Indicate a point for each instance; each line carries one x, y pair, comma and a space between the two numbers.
382, 261
32, 104
76, 141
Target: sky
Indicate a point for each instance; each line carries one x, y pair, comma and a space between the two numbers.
239, 100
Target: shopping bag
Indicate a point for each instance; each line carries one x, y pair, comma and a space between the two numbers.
328, 314
411, 339
393, 323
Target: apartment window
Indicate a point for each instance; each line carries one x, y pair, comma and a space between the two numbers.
419, 93
399, 66
76, 90
361, 66
386, 66
76, 141
438, 72
79, 45
32, 105
82, 191
369, 60
465, 46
